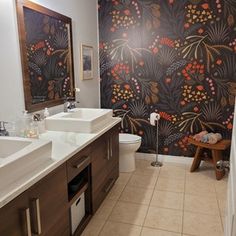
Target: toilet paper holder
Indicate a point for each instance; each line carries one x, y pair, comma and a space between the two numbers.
154, 121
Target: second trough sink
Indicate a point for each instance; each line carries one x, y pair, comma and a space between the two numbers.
20, 156
9, 146
84, 120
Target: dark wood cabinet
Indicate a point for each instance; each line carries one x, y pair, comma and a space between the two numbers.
100, 158
44, 209
105, 165
39, 209
113, 138
48, 203
15, 217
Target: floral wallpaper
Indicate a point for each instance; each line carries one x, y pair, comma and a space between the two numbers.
175, 57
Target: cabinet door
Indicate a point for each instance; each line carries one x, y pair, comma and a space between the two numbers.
104, 189
100, 158
105, 165
113, 137
48, 201
15, 217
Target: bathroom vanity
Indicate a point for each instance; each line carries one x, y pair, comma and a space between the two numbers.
88, 164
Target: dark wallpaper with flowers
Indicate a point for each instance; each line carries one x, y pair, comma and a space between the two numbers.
175, 57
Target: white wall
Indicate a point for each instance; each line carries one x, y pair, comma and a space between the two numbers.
84, 30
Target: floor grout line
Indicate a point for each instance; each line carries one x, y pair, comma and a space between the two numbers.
136, 203
102, 228
150, 201
151, 198
222, 223
217, 199
149, 227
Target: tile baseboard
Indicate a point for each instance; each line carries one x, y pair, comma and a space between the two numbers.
164, 158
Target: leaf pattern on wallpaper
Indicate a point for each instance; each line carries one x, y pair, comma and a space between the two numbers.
175, 57
123, 51
197, 46
218, 33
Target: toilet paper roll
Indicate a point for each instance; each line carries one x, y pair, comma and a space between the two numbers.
153, 118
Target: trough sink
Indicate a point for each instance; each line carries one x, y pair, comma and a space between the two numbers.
19, 156
84, 120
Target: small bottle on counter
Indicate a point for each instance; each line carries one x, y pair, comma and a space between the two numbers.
46, 113
42, 123
40, 120
33, 131
27, 127
24, 123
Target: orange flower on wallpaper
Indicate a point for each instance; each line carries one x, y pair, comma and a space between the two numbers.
165, 115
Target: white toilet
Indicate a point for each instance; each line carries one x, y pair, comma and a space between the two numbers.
128, 145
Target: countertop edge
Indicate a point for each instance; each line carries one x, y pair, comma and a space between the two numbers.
51, 166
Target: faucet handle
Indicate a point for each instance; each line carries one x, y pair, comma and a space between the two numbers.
69, 103
3, 131
2, 125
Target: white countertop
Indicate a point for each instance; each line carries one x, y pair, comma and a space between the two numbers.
64, 146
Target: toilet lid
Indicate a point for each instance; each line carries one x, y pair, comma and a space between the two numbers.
129, 138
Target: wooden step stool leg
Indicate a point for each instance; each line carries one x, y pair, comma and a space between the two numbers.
197, 159
217, 156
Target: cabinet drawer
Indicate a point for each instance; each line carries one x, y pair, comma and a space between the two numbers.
104, 189
78, 162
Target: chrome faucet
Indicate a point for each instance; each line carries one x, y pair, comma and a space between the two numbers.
3, 131
69, 103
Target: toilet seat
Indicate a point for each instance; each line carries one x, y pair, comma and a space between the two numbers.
129, 138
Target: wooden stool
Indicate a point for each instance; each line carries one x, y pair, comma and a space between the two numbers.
216, 150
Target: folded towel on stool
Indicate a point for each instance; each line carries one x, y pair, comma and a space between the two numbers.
211, 138
198, 137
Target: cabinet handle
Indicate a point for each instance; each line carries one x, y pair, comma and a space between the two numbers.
26, 215
36, 207
111, 154
84, 160
111, 183
108, 149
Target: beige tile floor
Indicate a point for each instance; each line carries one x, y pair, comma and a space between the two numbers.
169, 201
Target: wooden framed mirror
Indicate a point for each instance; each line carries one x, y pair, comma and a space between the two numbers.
46, 55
